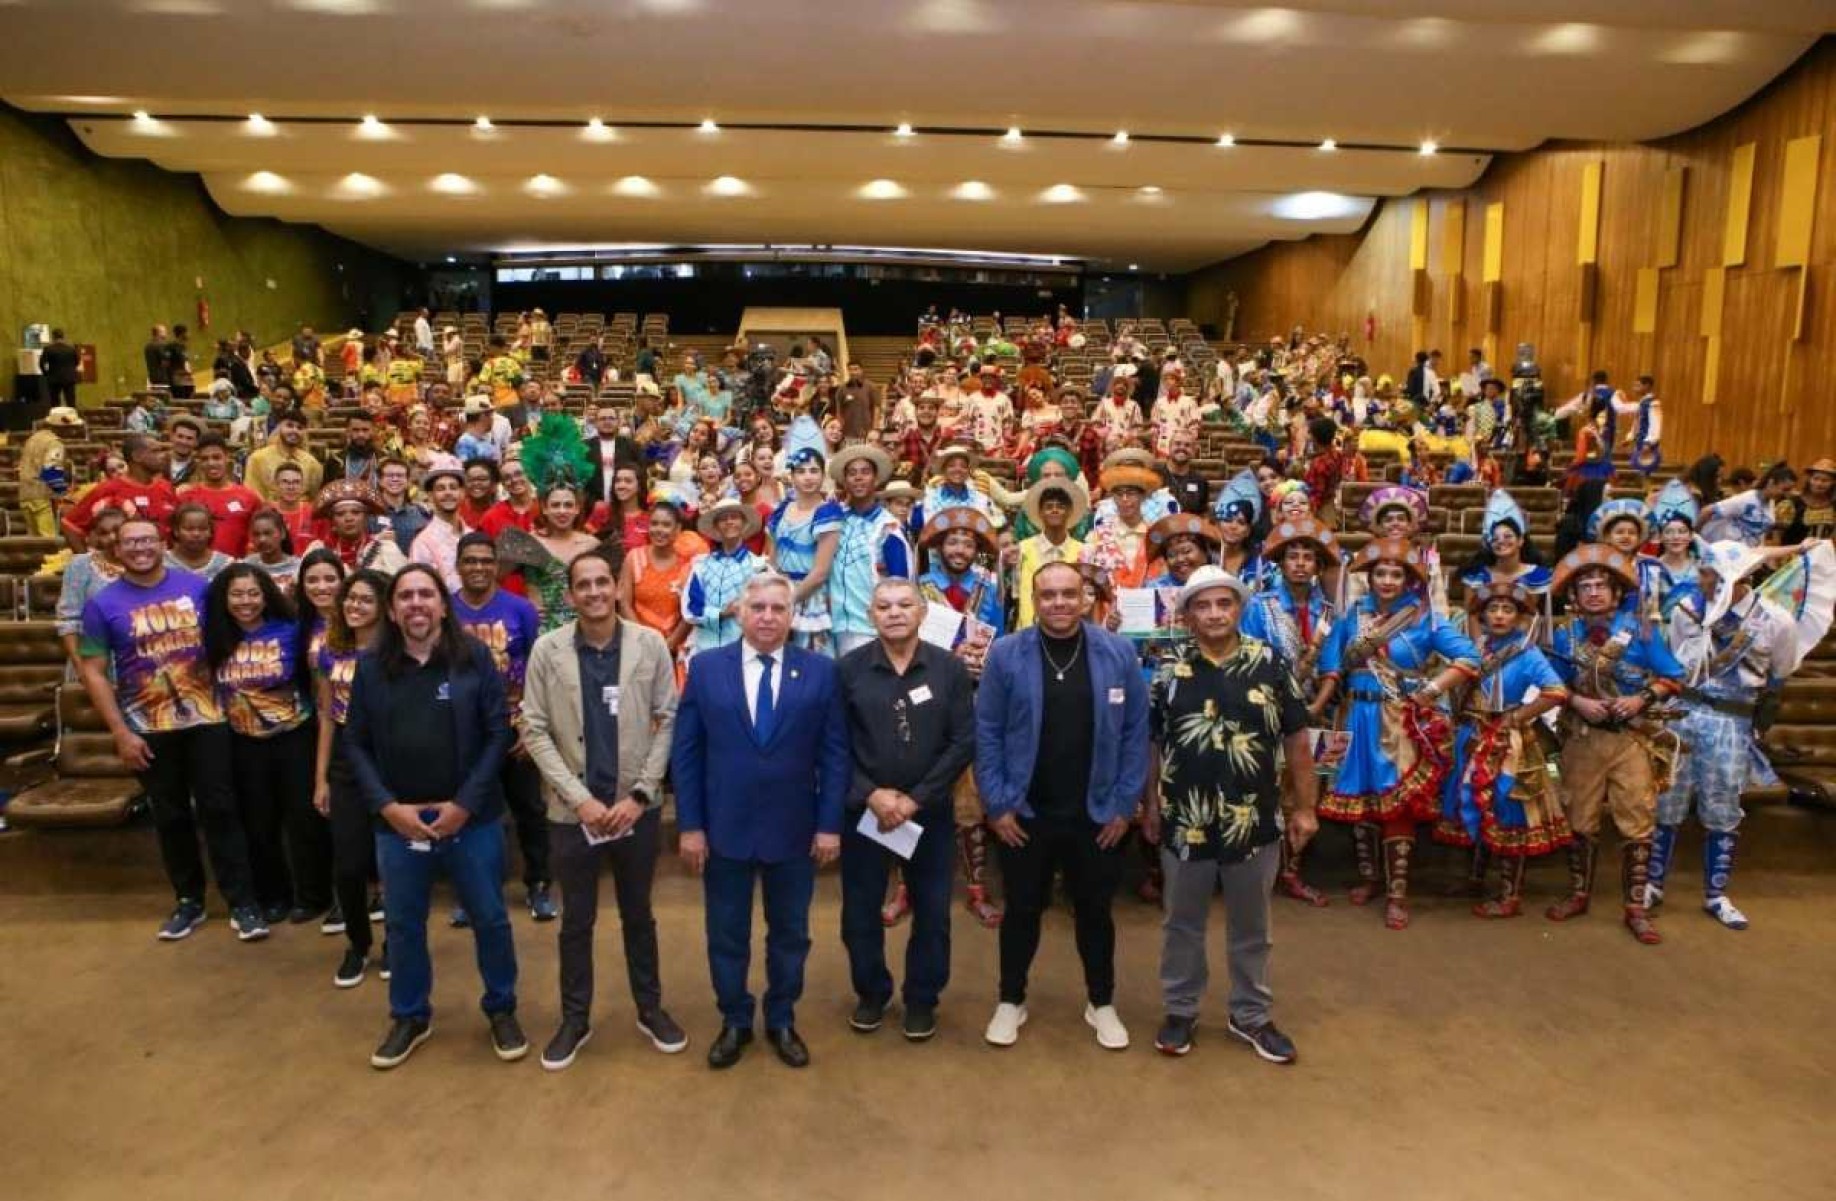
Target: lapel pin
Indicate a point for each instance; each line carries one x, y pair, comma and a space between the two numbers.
793, 674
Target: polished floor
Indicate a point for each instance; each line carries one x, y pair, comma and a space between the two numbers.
1455, 1060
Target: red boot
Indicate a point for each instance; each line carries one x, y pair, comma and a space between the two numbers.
1364, 853
897, 905
1396, 853
1290, 884
1635, 871
1581, 858
972, 847
1510, 902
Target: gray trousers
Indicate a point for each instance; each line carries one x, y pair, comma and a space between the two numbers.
1187, 891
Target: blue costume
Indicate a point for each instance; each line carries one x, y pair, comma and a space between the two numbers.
873, 547
1498, 793
794, 541
1291, 630
714, 582
976, 593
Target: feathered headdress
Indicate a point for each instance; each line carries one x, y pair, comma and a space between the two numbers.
556, 454
1241, 497
1500, 510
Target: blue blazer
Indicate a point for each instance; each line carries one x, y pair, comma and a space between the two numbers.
481, 727
1010, 708
758, 801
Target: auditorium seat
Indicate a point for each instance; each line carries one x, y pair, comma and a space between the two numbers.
90, 786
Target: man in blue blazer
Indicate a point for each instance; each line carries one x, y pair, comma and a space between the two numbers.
1061, 761
761, 765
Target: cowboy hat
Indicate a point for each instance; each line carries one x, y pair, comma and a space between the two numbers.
1130, 476
882, 463
901, 490
1399, 551
347, 491
1390, 497
1128, 456
1291, 530
1479, 596
1205, 579
64, 417
704, 524
1183, 525
956, 450
1073, 492
1593, 557
960, 517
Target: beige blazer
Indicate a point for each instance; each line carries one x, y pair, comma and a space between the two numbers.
554, 729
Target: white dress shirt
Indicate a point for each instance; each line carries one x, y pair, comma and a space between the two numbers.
751, 670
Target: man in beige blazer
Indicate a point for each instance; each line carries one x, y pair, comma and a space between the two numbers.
599, 703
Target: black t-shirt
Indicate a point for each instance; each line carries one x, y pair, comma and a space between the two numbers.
157, 370
1191, 491
59, 363
1060, 790
421, 746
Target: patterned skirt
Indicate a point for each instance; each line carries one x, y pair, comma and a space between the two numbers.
1394, 767
1499, 793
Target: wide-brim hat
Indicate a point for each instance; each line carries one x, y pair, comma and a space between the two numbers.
1624, 508
1205, 579
1400, 551
704, 524
1129, 456
882, 462
1183, 525
354, 335
956, 450
1394, 496
390, 335
960, 517
1130, 476
1593, 557
1080, 501
340, 492
901, 490
478, 406
64, 417
1477, 598
1825, 466
1292, 530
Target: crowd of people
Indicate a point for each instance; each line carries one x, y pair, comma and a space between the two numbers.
808, 615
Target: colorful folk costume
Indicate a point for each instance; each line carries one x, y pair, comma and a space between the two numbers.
1661, 587
1616, 762
1502, 512
1382, 658
1239, 505
1647, 429
1037, 549
1375, 515
1295, 618
1120, 549
976, 594
873, 547
1594, 439
1737, 648
718, 577
1499, 799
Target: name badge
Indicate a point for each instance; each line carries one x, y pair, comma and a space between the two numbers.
609, 696
921, 694
234, 506
1118, 696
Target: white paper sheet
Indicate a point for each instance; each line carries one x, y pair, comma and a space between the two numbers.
1138, 609
901, 840
940, 626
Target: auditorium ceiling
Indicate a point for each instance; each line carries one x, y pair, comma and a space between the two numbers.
1157, 134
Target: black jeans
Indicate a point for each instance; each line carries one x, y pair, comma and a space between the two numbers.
63, 394
1091, 875
865, 866
188, 785
289, 843
529, 813
634, 867
353, 838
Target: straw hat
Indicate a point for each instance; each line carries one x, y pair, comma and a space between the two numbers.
960, 517
1080, 501
1205, 579
64, 417
882, 463
1130, 476
1183, 525
1399, 551
901, 490
704, 524
1593, 557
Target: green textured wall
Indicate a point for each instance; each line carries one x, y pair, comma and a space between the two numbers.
104, 248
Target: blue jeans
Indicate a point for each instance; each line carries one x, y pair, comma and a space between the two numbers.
865, 865
727, 894
474, 860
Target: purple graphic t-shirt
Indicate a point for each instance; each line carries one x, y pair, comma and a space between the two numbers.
260, 682
507, 625
338, 669
154, 634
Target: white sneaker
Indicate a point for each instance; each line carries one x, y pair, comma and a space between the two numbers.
1725, 912
1004, 1027
1107, 1023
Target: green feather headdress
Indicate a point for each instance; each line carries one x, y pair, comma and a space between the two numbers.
556, 454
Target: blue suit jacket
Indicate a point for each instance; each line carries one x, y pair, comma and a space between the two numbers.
1010, 708
761, 801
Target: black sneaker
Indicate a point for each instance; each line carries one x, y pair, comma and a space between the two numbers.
249, 924
333, 922
920, 1022
187, 917
382, 961
662, 1031
274, 914
376, 909
299, 915
542, 904
1175, 1035
1269, 1042
867, 1016
351, 969
404, 1036
561, 1049
507, 1037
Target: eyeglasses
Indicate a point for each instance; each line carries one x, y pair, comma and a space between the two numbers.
902, 724
137, 543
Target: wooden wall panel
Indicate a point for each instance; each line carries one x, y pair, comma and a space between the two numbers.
1662, 204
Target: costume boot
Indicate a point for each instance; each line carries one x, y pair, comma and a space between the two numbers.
1634, 874
1290, 884
1396, 854
898, 904
972, 848
1510, 902
1663, 849
1581, 857
1364, 852
1717, 866
1473, 884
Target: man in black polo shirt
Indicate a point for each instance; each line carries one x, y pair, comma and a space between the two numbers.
911, 716
1189, 488
1219, 713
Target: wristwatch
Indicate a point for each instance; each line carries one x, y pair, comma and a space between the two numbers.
641, 797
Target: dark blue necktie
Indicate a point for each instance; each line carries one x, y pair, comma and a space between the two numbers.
764, 717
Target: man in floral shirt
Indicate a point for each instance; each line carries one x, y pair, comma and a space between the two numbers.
1218, 715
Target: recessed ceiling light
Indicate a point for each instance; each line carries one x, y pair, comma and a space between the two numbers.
1012, 135
1227, 140
727, 185
636, 185
972, 189
883, 189
1150, 189
259, 124
371, 127
1316, 206
451, 259
268, 182
483, 124
594, 123
1329, 144
360, 186
1429, 148
1061, 193
544, 185
370, 121
1121, 138
141, 114
1134, 266
904, 130
452, 185
707, 126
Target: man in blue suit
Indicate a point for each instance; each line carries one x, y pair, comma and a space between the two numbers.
1061, 759
762, 766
